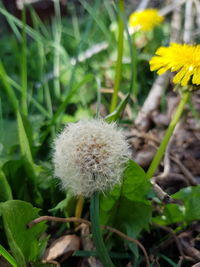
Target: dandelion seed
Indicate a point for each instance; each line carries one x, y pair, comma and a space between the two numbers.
90, 156
182, 58
145, 20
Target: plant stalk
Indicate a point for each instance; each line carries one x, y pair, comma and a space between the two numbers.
79, 207
161, 150
134, 68
118, 71
24, 65
7, 256
96, 232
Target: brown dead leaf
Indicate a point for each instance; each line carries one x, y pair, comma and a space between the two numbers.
66, 244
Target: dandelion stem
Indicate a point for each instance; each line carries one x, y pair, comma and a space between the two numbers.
79, 206
119, 57
97, 235
161, 150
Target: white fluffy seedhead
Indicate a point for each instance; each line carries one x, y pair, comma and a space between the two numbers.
90, 156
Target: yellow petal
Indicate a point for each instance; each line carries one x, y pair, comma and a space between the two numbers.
163, 70
196, 76
186, 78
178, 77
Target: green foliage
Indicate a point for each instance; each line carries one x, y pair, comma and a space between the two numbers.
49, 76
96, 231
23, 241
67, 205
126, 207
186, 212
190, 197
115, 115
5, 190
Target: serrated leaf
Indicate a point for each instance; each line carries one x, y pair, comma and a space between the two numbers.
127, 207
24, 243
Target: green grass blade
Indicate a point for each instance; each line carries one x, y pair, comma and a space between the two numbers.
98, 97
7, 256
38, 24
133, 54
23, 140
64, 104
75, 23
57, 33
118, 111
98, 21
32, 33
62, 107
119, 63
83, 41
37, 105
24, 66
9, 90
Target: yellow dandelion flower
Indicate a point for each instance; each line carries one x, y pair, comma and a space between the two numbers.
145, 20
182, 58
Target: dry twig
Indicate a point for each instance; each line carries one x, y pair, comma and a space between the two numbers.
185, 171
189, 22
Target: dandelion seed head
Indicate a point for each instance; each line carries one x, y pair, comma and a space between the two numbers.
90, 156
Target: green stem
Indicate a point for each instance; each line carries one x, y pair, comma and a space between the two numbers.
24, 66
96, 232
134, 68
57, 33
118, 72
161, 150
7, 256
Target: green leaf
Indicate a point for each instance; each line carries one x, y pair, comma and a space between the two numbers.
188, 212
23, 242
172, 213
67, 205
8, 138
190, 197
5, 190
120, 108
127, 207
20, 178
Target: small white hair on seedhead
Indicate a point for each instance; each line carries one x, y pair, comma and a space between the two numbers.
90, 156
